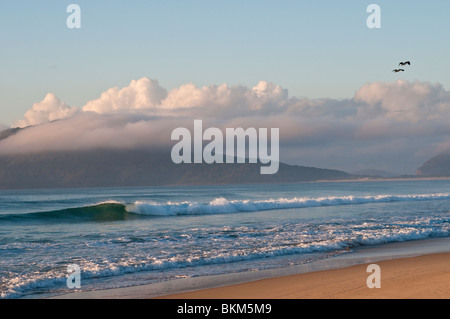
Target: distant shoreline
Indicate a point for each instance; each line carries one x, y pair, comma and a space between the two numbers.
368, 179
384, 179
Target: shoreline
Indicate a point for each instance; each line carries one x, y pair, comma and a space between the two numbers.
358, 179
432, 254
386, 179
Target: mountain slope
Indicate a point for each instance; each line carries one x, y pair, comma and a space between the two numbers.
115, 168
8, 132
438, 166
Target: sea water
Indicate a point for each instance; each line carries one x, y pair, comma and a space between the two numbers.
123, 237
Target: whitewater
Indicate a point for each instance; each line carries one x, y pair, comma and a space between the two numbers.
123, 237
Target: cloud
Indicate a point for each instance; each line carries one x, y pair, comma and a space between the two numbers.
404, 101
394, 126
49, 109
140, 94
148, 96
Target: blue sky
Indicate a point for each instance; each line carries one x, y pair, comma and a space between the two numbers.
311, 48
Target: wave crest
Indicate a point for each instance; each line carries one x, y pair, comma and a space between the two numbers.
221, 205
104, 211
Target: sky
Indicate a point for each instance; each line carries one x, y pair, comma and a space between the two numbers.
316, 61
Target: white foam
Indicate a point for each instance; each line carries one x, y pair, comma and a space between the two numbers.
221, 205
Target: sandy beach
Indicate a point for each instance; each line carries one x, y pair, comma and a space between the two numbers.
421, 277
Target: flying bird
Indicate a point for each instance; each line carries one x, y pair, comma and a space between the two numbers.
404, 63
398, 70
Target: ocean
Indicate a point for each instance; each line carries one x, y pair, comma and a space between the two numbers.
125, 237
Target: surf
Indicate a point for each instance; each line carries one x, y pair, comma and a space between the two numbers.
221, 205
117, 211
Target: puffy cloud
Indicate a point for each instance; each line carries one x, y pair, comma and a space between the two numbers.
140, 94
404, 101
189, 96
148, 96
263, 95
49, 109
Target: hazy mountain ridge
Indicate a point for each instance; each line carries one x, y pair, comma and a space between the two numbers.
116, 168
8, 132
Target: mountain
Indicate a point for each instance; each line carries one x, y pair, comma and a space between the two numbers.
8, 132
438, 166
116, 168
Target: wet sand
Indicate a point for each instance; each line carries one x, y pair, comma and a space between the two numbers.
426, 276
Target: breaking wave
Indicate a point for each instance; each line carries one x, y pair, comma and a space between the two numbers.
113, 210
222, 205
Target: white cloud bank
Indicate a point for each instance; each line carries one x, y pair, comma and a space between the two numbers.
148, 95
393, 126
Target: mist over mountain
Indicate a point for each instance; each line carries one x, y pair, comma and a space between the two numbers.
109, 167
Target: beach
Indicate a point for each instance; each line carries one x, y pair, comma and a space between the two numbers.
420, 277
408, 270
